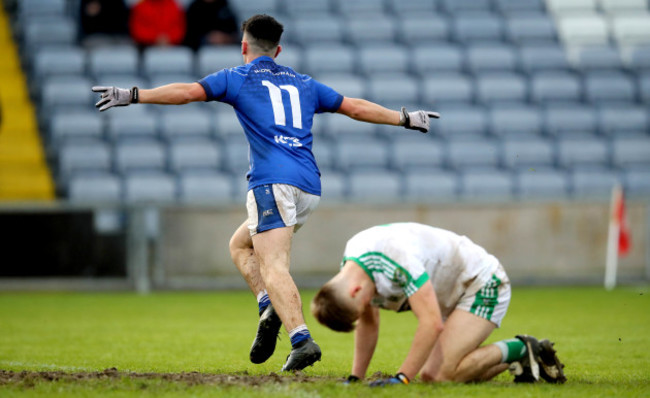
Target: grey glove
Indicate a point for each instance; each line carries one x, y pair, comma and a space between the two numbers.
418, 120
115, 96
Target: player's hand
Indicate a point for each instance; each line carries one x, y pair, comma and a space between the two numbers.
351, 379
418, 120
399, 378
115, 96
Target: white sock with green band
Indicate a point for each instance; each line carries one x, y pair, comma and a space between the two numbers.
511, 350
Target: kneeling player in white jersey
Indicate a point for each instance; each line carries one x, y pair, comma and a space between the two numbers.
459, 293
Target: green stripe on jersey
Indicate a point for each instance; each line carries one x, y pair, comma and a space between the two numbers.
380, 263
487, 299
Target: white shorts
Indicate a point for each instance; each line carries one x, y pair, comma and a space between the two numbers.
492, 301
278, 205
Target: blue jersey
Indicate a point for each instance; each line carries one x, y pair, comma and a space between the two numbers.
275, 106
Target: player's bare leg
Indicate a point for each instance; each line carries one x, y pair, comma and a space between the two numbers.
273, 249
243, 255
457, 356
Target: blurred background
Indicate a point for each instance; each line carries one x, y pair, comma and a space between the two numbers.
545, 108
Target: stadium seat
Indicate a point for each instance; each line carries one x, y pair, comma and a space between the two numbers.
465, 6
149, 187
77, 93
533, 28
638, 58
161, 79
571, 6
447, 88
594, 183
486, 185
539, 57
416, 152
32, 9
211, 59
376, 30
582, 152
430, 185
235, 150
122, 80
192, 123
355, 8
333, 186
74, 126
629, 30
361, 153
623, 6
333, 58
145, 155
57, 61
555, 86
198, 154
518, 6
644, 87
637, 181
570, 120
343, 128
422, 29
595, 58
468, 28
380, 186
520, 154
291, 56
41, 33
323, 151
488, 58
317, 29
167, 60
95, 187
143, 125
387, 58
227, 126
541, 184
87, 156
473, 154
609, 87
631, 151
246, 8
503, 87
403, 8
623, 119
429, 59
515, 121
113, 60
297, 8
348, 85
392, 87
462, 121
202, 187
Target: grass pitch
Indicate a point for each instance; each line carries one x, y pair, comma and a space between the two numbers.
196, 344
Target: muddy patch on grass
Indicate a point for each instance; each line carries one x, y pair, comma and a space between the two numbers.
191, 378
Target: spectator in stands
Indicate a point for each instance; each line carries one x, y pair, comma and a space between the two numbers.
157, 22
210, 22
103, 17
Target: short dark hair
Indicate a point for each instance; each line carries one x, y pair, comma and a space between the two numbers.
265, 30
330, 311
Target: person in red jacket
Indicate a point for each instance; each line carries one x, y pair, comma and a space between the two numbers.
157, 22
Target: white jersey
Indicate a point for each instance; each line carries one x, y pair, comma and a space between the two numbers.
401, 257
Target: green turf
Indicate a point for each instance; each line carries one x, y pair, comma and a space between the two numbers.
602, 337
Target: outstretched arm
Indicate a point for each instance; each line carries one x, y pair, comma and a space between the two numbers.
170, 94
365, 340
367, 111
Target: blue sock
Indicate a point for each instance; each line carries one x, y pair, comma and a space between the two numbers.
263, 301
301, 333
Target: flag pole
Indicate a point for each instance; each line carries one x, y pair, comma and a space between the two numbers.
611, 263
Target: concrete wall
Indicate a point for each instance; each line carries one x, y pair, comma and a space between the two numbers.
536, 242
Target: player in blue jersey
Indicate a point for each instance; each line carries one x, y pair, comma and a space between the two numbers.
275, 106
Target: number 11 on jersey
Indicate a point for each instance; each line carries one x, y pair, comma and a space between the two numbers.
275, 93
